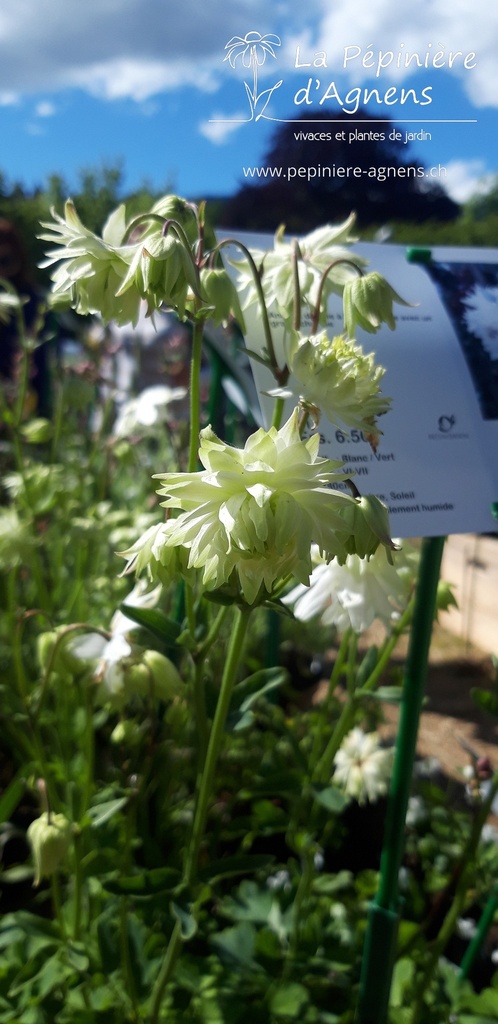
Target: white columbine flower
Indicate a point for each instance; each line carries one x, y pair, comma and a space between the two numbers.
117, 676
362, 767
152, 406
93, 269
317, 251
340, 380
251, 515
356, 593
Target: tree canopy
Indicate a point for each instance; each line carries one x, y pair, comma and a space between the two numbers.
385, 186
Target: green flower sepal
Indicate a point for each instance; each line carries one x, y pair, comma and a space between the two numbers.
369, 523
368, 303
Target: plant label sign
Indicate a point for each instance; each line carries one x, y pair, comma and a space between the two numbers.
436, 467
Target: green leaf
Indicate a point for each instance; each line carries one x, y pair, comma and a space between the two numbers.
367, 666
332, 798
289, 1000
11, 797
485, 699
403, 975
327, 885
101, 813
247, 692
188, 924
156, 621
146, 884
77, 956
108, 945
237, 943
390, 694
18, 873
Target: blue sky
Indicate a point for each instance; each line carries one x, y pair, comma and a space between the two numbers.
138, 82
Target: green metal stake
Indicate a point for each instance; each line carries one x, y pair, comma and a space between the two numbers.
380, 940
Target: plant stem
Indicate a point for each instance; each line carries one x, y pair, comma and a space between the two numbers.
215, 740
204, 793
281, 375
195, 392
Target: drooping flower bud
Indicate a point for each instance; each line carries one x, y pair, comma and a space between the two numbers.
49, 837
220, 293
368, 303
154, 675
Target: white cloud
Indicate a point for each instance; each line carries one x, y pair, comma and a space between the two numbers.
140, 48
426, 27
120, 48
467, 178
222, 126
45, 109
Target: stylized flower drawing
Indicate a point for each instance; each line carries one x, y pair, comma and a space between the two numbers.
253, 49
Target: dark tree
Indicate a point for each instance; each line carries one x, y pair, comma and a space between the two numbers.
303, 204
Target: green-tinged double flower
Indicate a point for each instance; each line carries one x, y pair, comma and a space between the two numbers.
335, 376
249, 517
93, 269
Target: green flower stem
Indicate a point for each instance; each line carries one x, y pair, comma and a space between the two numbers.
344, 724
124, 940
56, 902
58, 421
199, 684
195, 392
299, 906
483, 927
215, 739
388, 647
323, 720
280, 375
204, 793
190, 610
78, 887
278, 413
201, 719
316, 314
296, 255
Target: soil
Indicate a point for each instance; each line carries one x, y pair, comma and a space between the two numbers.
453, 728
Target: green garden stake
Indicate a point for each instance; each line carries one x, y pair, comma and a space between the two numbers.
483, 927
382, 926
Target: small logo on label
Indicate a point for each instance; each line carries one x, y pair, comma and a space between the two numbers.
446, 423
